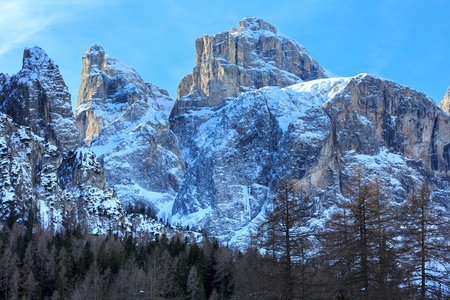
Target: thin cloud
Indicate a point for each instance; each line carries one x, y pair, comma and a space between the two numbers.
21, 19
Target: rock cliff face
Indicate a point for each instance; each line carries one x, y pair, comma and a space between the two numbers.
125, 121
71, 191
317, 131
255, 109
253, 56
38, 97
40, 164
402, 120
445, 103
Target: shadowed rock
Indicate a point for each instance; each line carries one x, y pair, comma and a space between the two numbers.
38, 97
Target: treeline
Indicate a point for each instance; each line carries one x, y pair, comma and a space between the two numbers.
369, 247
39, 264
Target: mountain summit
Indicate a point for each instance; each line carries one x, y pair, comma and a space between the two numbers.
445, 103
258, 108
236, 61
253, 56
38, 97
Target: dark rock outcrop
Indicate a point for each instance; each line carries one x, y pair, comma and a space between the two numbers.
38, 97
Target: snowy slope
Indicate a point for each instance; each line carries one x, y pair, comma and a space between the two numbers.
313, 132
41, 167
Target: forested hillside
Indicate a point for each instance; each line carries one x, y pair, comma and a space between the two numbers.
370, 248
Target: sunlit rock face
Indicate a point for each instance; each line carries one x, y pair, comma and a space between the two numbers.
445, 103
38, 97
239, 135
253, 56
124, 120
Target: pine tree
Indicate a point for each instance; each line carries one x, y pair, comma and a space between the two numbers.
195, 289
30, 286
359, 241
223, 272
425, 245
282, 234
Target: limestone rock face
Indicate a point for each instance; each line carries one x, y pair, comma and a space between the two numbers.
31, 176
38, 97
402, 120
314, 132
445, 103
82, 175
124, 120
39, 165
253, 56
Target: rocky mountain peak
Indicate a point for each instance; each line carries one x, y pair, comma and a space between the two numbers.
110, 90
36, 59
94, 60
234, 62
255, 24
251, 57
445, 103
95, 49
124, 120
37, 96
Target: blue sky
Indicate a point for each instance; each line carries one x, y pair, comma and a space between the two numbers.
405, 41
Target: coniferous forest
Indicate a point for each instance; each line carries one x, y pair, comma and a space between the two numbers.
369, 247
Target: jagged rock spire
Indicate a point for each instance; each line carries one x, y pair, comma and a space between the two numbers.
38, 97
445, 103
125, 122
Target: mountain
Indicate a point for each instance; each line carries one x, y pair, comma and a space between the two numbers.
124, 121
257, 108
240, 138
42, 168
236, 61
38, 97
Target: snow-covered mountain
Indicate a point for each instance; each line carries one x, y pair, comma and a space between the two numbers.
41, 165
43, 168
238, 147
124, 120
256, 108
